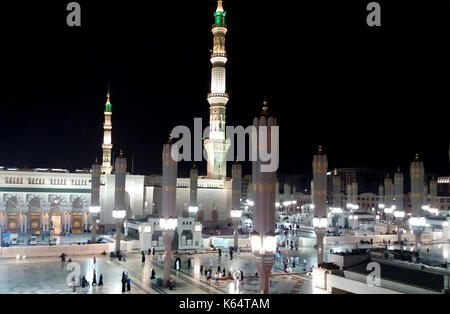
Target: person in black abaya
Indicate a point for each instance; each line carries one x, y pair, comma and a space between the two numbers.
124, 281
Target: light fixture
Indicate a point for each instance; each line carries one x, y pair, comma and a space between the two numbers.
119, 213
399, 214
262, 245
255, 240
193, 209
417, 221
336, 210
381, 206
236, 213
388, 210
168, 224
94, 209
320, 222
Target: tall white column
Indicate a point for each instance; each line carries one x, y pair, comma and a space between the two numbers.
264, 201
417, 180
169, 188
119, 194
95, 198
236, 183
398, 182
320, 168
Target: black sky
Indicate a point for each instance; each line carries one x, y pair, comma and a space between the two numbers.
372, 97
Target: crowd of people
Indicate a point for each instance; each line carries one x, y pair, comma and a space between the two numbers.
82, 281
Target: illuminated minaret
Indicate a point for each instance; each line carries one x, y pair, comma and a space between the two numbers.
217, 145
107, 140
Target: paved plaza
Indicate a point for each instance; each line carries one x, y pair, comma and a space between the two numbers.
50, 275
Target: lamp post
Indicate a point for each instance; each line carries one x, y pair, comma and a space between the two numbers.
263, 239
168, 222
388, 211
168, 226
418, 226
118, 215
236, 215
320, 228
336, 212
399, 215
264, 248
94, 211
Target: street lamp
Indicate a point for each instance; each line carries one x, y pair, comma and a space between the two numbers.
320, 223
193, 210
236, 215
118, 215
263, 245
418, 226
168, 224
94, 210
388, 211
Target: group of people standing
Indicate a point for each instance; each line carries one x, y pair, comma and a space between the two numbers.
82, 281
126, 281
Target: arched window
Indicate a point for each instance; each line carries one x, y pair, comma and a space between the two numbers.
35, 204
200, 215
12, 203
215, 215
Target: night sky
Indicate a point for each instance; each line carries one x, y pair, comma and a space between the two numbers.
371, 97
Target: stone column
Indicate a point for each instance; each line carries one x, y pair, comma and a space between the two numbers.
119, 193
193, 188
398, 183
336, 197
433, 193
264, 195
236, 184
389, 191
355, 193
169, 188
417, 181
95, 198
320, 168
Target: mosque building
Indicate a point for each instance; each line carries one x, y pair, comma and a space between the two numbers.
34, 201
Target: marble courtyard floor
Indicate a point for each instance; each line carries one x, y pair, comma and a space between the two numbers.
49, 276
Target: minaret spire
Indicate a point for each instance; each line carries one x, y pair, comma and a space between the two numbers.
219, 6
217, 145
107, 136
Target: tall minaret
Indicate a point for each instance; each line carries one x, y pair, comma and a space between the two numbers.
217, 145
107, 137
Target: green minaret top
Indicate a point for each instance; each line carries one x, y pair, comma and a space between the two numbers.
219, 14
108, 101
